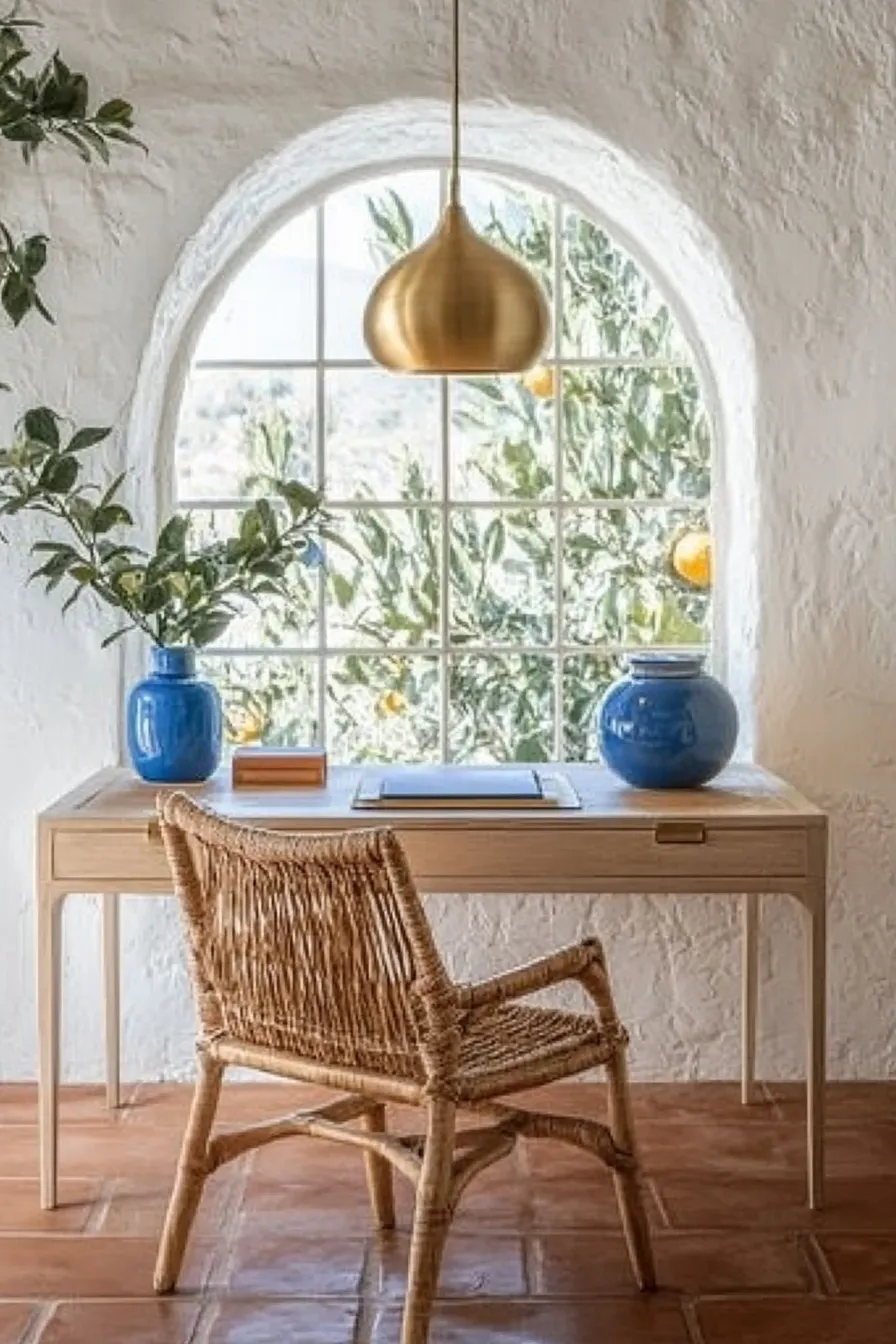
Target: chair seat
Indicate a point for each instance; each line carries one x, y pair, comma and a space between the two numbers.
502, 1047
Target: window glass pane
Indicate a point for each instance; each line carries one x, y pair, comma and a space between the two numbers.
501, 581
610, 305
271, 700
585, 678
634, 432
501, 708
236, 426
502, 437
383, 435
385, 590
366, 228
618, 580
276, 621
516, 218
382, 709
269, 309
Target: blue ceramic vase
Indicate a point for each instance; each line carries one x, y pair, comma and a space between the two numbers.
174, 721
667, 724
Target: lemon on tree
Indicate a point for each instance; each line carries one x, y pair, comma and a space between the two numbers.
541, 380
389, 703
245, 727
692, 558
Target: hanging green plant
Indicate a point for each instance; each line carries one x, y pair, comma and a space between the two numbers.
176, 593
47, 105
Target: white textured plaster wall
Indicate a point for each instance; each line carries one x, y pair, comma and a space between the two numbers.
767, 130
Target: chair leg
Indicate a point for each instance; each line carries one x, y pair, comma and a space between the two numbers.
629, 1188
191, 1175
379, 1172
432, 1218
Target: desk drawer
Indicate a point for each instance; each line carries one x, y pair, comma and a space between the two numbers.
109, 856
543, 858
534, 857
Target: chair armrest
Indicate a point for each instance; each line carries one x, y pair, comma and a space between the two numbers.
567, 964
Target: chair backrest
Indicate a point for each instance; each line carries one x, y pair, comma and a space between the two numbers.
317, 945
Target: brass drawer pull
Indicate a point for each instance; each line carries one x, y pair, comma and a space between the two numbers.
679, 833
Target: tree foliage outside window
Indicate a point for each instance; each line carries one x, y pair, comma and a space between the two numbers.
510, 538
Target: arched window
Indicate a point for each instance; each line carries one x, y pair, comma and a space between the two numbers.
510, 537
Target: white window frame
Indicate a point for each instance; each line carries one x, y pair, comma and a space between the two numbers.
321, 650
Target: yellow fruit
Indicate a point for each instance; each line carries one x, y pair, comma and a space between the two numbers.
131, 582
540, 381
692, 558
391, 702
244, 727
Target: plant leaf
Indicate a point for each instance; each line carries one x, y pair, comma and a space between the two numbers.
210, 627
86, 438
59, 475
107, 516
116, 634
42, 424
173, 536
116, 110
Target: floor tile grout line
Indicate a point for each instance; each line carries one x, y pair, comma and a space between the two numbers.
101, 1206
368, 1297
815, 1281
746, 1296
130, 1103
543, 1232
209, 1311
38, 1321
692, 1321
521, 1160
656, 1195
821, 1266
529, 1252
222, 1263
204, 1302
671, 1234
774, 1102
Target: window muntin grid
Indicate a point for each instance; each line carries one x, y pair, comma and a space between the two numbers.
315, 652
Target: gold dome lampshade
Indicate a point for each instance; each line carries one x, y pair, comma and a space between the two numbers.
456, 304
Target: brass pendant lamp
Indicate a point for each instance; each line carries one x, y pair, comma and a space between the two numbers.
456, 304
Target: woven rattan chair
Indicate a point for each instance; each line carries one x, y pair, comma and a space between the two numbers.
312, 959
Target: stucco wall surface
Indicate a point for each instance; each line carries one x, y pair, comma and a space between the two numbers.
773, 125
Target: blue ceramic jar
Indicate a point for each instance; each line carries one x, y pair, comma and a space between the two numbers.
174, 721
667, 724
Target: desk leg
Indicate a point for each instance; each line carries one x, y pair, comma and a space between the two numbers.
749, 993
112, 996
49, 960
816, 1018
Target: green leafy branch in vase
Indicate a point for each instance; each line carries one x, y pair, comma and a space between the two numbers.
178, 593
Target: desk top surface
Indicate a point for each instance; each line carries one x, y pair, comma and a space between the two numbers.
743, 795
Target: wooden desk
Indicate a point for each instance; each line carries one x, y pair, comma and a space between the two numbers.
748, 833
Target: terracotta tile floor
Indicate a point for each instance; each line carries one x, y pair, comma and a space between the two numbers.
283, 1253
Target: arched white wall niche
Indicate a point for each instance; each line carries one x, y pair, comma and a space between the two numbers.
660, 230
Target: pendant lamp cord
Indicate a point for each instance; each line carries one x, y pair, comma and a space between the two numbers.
454, 186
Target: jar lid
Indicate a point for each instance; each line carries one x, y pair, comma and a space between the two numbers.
667, 665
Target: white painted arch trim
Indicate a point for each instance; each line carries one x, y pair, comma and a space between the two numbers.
603, 181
